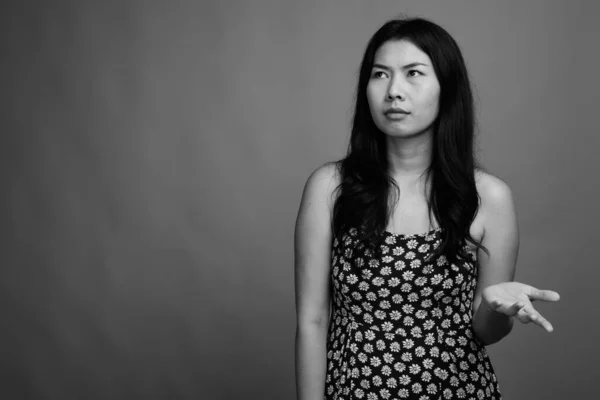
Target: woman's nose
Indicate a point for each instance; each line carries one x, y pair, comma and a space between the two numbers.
395, 90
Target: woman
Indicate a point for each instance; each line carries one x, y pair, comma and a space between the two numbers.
405, 251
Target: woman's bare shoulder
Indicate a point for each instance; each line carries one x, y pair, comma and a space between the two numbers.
328, 171
324, 180
492, 190
497, 206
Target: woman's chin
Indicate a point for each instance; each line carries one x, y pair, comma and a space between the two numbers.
402, 133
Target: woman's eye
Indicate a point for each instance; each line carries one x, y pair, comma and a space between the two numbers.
378, 74
410, 73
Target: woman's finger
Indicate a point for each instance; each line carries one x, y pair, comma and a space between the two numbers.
523, 316
534, 317
508, 309
537, 319
544, 295
544, 323
514, 308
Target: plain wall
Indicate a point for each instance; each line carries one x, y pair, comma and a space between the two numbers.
153, 158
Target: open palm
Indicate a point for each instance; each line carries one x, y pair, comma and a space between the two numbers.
515, 299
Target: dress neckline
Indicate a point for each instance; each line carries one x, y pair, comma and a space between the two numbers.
413, 235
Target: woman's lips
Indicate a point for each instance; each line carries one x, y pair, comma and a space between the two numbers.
396, 111
396, 114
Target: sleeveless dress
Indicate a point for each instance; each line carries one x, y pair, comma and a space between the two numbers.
401, 323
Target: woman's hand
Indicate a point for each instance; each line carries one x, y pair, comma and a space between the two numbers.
514, 299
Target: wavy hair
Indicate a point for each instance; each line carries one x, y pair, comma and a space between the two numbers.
365, 191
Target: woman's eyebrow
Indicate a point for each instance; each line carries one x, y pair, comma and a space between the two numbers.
411, 65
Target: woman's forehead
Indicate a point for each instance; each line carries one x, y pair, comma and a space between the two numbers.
398, 53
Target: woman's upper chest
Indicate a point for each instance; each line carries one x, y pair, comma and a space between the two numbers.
412, 215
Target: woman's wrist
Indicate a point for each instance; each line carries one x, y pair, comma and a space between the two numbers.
489, 325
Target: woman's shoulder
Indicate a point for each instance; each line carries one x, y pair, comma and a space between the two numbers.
493, 191
328, 171
323, 181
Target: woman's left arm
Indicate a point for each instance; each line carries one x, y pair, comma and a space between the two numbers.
497, 298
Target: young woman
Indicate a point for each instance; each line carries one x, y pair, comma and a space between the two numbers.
405, 251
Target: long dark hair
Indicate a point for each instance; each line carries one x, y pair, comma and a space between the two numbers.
363, 199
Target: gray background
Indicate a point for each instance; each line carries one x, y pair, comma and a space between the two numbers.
153, 158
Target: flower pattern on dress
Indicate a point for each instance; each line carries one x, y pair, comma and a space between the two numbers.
401, 323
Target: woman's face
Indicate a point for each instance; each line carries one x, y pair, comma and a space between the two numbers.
403, 90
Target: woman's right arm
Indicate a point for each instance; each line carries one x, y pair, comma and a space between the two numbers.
312, 263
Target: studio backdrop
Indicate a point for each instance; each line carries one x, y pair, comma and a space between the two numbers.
153, 158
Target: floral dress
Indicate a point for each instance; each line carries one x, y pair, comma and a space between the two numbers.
401, 323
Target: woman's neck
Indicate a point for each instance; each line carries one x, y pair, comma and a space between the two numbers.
409, 157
